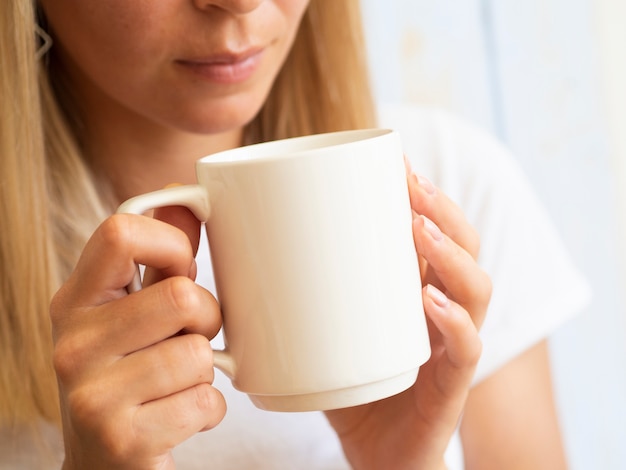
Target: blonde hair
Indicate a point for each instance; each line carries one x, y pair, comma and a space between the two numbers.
323, 85
50, 202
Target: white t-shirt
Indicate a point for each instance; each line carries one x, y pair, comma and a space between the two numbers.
535, 289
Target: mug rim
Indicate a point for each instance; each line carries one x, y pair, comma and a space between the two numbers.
292, 146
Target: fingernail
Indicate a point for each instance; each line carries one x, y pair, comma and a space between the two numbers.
432, 229
426, 184
407, 165
437, 296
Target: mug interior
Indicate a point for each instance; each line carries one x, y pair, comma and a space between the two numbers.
291, 146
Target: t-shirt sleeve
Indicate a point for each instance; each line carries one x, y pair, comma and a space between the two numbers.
536, 287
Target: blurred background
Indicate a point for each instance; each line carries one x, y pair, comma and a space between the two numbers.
547, 77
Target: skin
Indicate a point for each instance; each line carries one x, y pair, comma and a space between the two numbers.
376, 434
486, 430
127, 400
142, 106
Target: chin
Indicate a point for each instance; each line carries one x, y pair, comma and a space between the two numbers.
217, 119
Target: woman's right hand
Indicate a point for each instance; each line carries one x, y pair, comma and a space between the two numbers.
135, 370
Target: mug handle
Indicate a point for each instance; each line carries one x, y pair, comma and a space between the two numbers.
195, 198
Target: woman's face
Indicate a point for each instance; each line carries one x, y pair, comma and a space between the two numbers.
198, 66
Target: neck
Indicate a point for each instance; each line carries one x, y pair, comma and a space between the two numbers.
138, 159
137, 154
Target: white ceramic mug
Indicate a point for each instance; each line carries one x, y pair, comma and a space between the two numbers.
315, 267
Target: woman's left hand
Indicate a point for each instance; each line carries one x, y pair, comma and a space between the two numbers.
412, 429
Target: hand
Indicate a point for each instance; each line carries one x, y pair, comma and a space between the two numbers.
412, 429
135, 371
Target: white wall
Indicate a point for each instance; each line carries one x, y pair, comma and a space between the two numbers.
609, 26
549, 78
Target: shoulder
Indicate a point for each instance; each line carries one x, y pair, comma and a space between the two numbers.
468, 163
437, 129
460, 157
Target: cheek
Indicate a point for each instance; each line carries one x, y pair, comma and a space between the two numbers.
122, 49
103, 36
293, 11
284, 22
293, 8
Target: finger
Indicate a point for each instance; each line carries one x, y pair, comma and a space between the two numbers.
183, 219
163, 369
460, 276
458, 333
108, 262
102, 335
428, 200
447, 375
421, 261
162, 310
138, 434
175, 418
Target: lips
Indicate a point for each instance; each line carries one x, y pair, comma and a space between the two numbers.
225, 68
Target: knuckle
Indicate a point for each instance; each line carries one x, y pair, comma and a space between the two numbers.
486, 289
210, 403
201, 409
475, 351
57, 306
204, 397
116, 232
480, 298
182, 294
64, 357
199, 351
90, 412
473, 243
472, 345
83, 405
116, 444
62, 306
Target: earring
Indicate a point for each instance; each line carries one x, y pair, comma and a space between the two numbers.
44, 40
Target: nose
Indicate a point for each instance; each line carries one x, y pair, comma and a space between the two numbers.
239, 7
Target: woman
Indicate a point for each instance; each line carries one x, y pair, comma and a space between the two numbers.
128, 86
